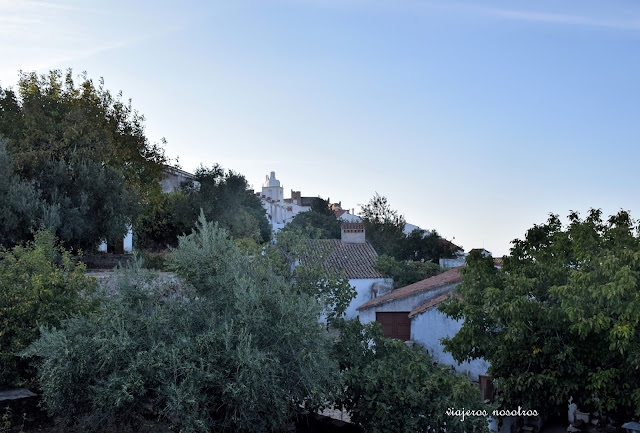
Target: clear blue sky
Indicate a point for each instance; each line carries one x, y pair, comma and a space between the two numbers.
475, 118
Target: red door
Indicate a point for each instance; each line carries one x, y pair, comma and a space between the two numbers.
395, 325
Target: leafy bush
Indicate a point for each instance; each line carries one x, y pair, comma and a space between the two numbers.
296, 259
22, 206
154, 260
406, 272
39, 285
319, 222
391, 387
231, 348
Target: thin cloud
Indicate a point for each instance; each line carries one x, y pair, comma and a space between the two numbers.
563, 19
425, 6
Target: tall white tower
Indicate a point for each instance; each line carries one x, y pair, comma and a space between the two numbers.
272, 189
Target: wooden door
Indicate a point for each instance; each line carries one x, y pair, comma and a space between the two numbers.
395, 325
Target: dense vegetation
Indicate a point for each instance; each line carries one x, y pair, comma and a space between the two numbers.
561, 319
385, 227
388, 386
223, 196
406, 272
80, 157
40, 285
319, 222
75, 159
406, 258
234, 348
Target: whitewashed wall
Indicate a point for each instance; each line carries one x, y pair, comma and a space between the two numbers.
404, 304
364, 293
429, 327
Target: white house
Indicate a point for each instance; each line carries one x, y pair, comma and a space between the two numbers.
354, 258
410, 314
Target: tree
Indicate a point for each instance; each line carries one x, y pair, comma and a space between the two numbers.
388, 386
22, 208
223, 196
385, 230
428, 246
82, 203
232, 347
561, 318
299, 257
40, 285
52, 119
320, 221
84, 151
384, 227
406, 272
89, 202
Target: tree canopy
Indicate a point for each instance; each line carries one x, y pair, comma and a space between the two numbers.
224, 197
388, 386
561, 318
50, 118
232, 347
319, 222
84, 154
385, 227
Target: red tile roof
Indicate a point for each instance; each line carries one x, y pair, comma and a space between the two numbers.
353, 260
432, 303
449, 277
339, 212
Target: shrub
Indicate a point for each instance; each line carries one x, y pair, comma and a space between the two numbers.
406, 272
39, 285
232, 348
391, 387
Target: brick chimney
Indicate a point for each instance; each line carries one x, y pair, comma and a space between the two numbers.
352, 233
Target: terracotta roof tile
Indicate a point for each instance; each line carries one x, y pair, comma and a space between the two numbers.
339, 212
432, 303
448, 277
353, 260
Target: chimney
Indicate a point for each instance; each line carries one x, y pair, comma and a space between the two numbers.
352, 233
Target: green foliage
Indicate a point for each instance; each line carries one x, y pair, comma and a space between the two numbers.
406, 272
84, 152
321, 206
385, 231
224, 197
561, 318
163, 218
232, 347
384, 226
390, 387
51, 118
158, 260
320, 222
39, 285
6, 422
88, 202
428, 246
295, 258
22, 208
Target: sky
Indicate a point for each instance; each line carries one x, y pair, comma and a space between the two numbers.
474, 118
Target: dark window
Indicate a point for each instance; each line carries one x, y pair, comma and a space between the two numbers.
395, 325
486, 387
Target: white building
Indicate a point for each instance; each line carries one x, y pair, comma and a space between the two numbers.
280, 211
355, 259
410, 314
